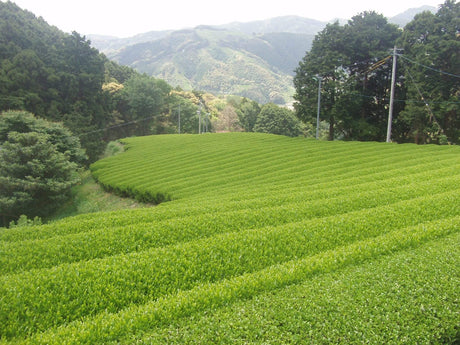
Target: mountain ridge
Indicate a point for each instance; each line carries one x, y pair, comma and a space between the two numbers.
253, 59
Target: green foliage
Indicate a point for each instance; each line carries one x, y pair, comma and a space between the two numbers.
89, 197
51, 74
358, 304
114, 148
431, 40
60, 77
247, 111
184, 110
355, 95
38, 160
24, 221
35, 178
253, 216
57, 134
221, 62
353, 98
276, 120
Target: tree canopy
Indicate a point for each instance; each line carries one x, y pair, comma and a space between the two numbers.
431, 65
352, 92
277, 120
38, 161
354, 64
60, 77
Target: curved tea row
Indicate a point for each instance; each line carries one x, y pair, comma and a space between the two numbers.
251, 216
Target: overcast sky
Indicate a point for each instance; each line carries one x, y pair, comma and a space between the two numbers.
124, 18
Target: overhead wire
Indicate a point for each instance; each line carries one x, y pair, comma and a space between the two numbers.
368, 70
432, 117
383, 62
116, 126
428, 67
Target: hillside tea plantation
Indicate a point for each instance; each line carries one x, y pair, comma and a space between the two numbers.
255, 238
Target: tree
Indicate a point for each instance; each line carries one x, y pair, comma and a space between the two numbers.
144, 98
227, 120
37, 165
343, 57
431, 44
277, 120
370, 38
324, 61
57, 135
248, 111
188, 113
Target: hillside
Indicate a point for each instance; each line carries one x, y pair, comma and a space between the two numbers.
251, 59
403, 18
54, 75
259, 67
266, 239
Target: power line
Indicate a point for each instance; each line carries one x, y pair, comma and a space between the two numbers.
428, 67
386, 99
116, 126
432, 117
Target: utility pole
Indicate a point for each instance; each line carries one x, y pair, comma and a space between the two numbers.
179, 118
392, 95
199, 119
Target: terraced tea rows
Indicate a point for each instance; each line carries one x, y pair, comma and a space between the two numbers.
252, 217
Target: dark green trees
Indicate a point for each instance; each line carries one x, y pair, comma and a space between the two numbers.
60, 77
54, 75
248, 112
353, 93
277, 120
38, 162
354, 62
431, 65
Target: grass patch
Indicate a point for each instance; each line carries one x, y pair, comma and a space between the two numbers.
89, 197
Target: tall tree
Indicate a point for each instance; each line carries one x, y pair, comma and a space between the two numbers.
145, 98
353, 94
184, 110
431, 63
247, 111
324, 61
370, 38
57, 135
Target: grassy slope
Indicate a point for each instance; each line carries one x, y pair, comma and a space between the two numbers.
89, 197
256, 221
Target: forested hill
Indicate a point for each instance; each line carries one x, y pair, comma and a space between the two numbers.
253, 59
61, 78
259, 67
51, 74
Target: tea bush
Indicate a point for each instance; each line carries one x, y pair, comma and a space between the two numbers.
250, 217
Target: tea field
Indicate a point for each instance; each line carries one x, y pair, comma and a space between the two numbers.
255, 238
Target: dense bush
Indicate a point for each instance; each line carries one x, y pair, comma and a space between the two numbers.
38, 162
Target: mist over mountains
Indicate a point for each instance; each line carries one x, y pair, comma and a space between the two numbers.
253, 59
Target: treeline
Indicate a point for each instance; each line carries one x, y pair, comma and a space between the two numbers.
353, 62
60, 77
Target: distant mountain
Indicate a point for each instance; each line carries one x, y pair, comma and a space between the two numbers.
403, 18
109, 44
259, 67
292, 24
254, 59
